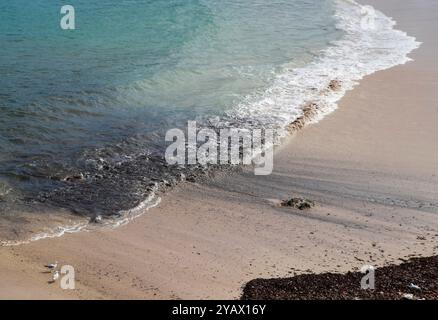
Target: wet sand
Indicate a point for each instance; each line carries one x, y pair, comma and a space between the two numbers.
371, 167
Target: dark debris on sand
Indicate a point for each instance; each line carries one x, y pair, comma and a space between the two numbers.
298, 203
415, 279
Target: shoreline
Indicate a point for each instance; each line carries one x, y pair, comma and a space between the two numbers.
321, 100
374, 184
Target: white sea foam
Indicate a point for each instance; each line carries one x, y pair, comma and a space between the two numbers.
128, 215
123, 218
52, 233
360, 52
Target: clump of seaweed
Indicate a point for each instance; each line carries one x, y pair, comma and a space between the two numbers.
298, 203
309, 112
335, 85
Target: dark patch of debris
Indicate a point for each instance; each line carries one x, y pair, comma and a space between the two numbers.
416, 279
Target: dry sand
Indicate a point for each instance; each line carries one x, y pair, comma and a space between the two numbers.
371, 167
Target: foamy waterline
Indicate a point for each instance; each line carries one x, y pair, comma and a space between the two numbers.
360, 52
124, 217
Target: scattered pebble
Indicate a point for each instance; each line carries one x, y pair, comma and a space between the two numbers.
408, 296
414, 287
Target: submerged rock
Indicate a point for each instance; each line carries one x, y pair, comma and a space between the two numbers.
96, 219
76, 177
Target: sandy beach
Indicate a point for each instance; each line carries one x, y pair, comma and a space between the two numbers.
370, 166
